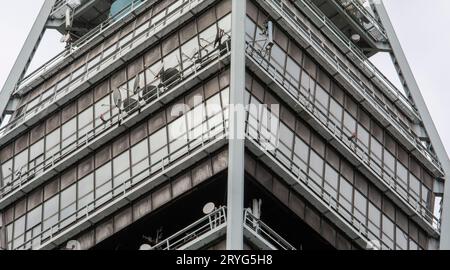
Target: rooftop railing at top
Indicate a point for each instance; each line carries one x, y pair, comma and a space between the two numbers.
280, 7
359, 56
371, 23
74, 47
106, 61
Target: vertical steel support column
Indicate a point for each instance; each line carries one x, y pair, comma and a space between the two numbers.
25, 55
425, 115
235, 223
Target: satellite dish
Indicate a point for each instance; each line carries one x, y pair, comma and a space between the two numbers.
117, 96
356, 38
73, 245
209, 208
145, 247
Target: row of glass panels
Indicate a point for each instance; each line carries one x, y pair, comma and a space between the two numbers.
200, 125
104, 59
354, 80
103, 115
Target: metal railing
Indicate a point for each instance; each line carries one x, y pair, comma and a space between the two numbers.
215, 220
341, 206
205, 225
363, 17
360, 59
306, 101
208, 137
146, 100
344, 70
265, 232
95, 69
80, 43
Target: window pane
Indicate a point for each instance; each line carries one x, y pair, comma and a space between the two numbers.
103, 183
68, 205
121, 170
85, 194
140, 161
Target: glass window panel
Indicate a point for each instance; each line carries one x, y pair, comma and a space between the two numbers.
85, 122
34, 217
402, 179
316, 164
196, 125
336, 112
345, 198
20, 164
69, 134
388, 232
85, 194
322, 98
121, 170
172, 60
349, 124
51, 208
225, 23
401, 239
68, 206
7, 170
178, 138
389, 164
331, 181
158, 149
19, 232
103, 183
269, 128
207, 39
140, 161
189, 52
37, 149
52, 141
374, 224
102, 111
360, 207
308, 85
250, 29
214, 114
285, 144
278, 58
414, 185
293, 69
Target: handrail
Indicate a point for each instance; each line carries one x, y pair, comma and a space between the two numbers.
210, 136
360, 58
260, 228
115, 120
202, 226
367, 93
303, 177
95, 68
356, 4
77, 45
362, 154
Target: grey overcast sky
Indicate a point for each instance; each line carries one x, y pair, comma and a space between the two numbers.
422, 27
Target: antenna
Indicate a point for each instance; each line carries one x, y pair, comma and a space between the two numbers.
256, 208
117, 96
269, 34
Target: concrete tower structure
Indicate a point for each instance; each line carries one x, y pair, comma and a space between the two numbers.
218, 124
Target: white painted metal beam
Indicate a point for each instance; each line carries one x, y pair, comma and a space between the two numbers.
428, 123
26, 55
235, 226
